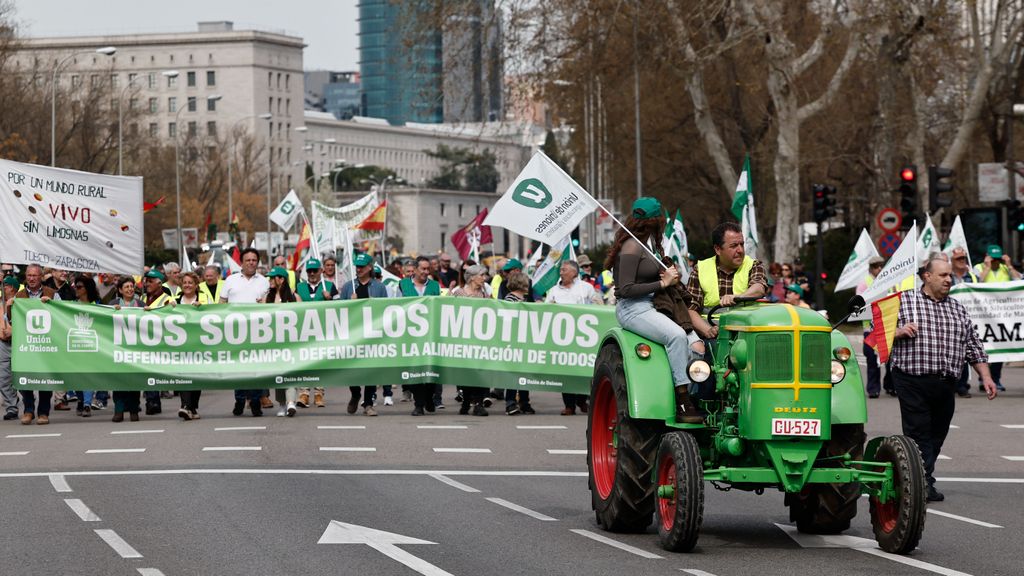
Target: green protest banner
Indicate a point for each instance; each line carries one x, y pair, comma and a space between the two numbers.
465, 342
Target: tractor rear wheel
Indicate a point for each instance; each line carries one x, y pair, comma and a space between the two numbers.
829, 508
679, 510
899, 523
621, 451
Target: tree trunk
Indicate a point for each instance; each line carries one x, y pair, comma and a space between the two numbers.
786, 167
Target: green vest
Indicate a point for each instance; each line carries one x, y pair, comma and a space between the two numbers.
707, 274
406, 287
303, 291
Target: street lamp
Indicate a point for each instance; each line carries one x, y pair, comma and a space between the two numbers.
231, 159
177, 166
106, 51
334, 186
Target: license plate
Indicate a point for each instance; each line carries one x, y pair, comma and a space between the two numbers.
795, 427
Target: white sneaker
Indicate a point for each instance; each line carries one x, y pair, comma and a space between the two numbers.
291, 409
280, 412
388, 401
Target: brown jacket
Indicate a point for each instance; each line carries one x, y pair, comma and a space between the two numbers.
674, 302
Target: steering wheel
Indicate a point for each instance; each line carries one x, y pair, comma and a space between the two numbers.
737, 300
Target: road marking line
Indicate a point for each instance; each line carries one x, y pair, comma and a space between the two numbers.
521, 510
118, 544
79, 507
556, 451
53, 435
150, 572
454, 483
464, 450
19, 453
1014, 458
861, 545
1013, 426
234, 428
347, 449
115, 451
430, 427
542, 427
341, 427
616, 544
963, 519
328, 472
59, 483
231, 448
136, 431
943, 457
695, 572
984, 480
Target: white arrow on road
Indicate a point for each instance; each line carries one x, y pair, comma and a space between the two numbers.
384, 542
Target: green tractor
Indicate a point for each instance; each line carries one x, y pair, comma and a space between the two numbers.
788, 413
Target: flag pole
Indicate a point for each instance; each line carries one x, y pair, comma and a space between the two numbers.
645, 247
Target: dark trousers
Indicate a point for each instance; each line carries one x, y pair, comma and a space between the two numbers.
190, 399
510, 397
152, 398
874, 385
926, 407
887, 382
996, 369
28, 397
571, 401
422, 394
251, 395
368, 394
125, 401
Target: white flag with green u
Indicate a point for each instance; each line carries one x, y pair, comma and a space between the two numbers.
743, 209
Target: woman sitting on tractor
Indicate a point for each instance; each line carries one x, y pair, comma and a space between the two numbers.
639, 277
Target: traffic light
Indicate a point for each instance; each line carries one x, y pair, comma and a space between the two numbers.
1015, 215
937, 186
575, 236
908, 192
824, 203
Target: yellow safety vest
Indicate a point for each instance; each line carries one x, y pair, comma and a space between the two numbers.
204, 289
495, 284
160, 302
291, 280
173, 289
1001, 275
707, 274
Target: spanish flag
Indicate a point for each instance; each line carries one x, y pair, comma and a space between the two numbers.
375, 221
301, 247
883, 316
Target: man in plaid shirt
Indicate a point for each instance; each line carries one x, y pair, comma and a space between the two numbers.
934, 336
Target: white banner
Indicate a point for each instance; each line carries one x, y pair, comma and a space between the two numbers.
856, 268
903, 264
70, 220
330, 223
191, 236
997, 310
287, 211
544, 203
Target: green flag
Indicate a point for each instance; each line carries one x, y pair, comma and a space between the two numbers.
743, 209
547, 274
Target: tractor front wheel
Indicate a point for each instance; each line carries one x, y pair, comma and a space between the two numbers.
620, 450
899, 523
679, 509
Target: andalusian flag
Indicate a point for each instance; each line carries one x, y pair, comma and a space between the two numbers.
548, 272
301, 253
674, 246
743, 209
375, 221
883, 317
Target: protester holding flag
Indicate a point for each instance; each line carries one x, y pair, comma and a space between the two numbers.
934, 336
874, 384
638, 277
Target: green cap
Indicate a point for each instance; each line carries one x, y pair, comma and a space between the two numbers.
312, 264
513, 264
994, 251
796, 288
646, 207
154, 273
277, 272
362, 259
11, 281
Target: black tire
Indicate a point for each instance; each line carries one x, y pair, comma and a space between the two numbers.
829, 508
621, 452
899, 523
679, 515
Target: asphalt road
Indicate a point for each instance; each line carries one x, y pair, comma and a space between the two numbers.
453, 494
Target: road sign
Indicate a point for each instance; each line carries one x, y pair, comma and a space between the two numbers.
889, 219
888, 244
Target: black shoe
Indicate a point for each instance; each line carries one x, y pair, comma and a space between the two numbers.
487, 402
479, 410
430, 406
239, 407
1000, 387
11, 416
934, 495
527, 409
417, 411
964, 394
464, 410
890, 391
512, 409
133, 416
875, 395
255, 408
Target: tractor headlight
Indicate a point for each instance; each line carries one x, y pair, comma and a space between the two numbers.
643, 351
838, 372
842, 353
699, 371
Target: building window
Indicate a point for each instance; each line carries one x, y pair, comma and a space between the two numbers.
211, 128
278, 80
460, 210
153, 106
442, 240
190, 79
133, 129
114, 80
151, 80
172, 81
191, 103
211, 105
94, 80
192, 129
172, 104
172, 130
76, 81
270, 80
132, 77
133, 103
154, 129
442, 213
270, 104
287, 80
288, 106
211, 78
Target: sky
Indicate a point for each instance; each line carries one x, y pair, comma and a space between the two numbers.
328, 27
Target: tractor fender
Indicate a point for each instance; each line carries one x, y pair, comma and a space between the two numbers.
648, 380
849, 404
